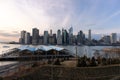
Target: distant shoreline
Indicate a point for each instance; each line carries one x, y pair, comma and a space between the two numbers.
61, 45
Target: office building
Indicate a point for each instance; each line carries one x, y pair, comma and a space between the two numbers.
71, 36
51, 40
59, 37
27, 38
113, 38
45, 37
35, 36
51, 32
41, 40
89, 35
55, 39
106, 39
22, 38
80, 37
65, 37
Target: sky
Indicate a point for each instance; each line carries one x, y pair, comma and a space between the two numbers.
101, 16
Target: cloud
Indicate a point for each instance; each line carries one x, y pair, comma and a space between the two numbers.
16, 32
9, 34
109, 17
54, 14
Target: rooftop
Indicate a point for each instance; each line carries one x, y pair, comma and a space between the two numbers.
41, 47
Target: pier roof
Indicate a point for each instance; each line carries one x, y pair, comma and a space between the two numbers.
26, 48
41, 47
56, 48
44, 48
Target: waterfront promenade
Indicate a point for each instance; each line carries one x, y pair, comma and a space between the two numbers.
33, 58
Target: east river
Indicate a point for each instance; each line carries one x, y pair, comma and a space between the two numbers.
81, 50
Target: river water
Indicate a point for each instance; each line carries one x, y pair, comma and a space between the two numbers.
86, 50
5, 48
81, 50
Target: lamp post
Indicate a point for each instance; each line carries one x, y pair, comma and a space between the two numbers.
76, 56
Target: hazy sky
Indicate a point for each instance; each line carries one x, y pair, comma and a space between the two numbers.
102, 16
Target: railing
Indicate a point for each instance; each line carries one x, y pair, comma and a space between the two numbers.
32, 57
7, 52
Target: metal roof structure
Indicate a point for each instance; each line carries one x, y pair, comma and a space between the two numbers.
44, 48
41, 47
26, 47
56, 48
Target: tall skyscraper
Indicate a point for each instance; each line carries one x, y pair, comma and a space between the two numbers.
113, 38
80, 37
51, 32
27, 38
71, 36
55, 39
35, 36
89, 35
65, 37
59, 37
45, 38
71, 31
22, 38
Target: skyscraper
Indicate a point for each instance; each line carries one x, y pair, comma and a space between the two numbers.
106, 39
51, 32
113, 38
35, 36
80, 37
71, 35
41, 40
65, 37
71, 31
59, 37
27, 38
89, 35
55, 39
45, 38
22, 38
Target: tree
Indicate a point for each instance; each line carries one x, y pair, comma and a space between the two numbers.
57, 62
93, 62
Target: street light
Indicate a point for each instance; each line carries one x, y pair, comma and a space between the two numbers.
76, 56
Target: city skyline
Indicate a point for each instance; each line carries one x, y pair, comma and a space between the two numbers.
65, 37
101, 16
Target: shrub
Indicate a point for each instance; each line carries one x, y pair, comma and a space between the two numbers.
57, 62
1, 78
49, 62
93, 62
35, 65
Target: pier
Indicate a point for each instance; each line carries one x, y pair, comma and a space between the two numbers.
33, 58
27, 53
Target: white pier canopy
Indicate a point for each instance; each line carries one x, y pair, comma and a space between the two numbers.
41, 47
42, 50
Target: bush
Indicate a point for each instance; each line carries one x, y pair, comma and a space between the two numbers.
93, 62
81, 62
1, 78
35, 64
57, 62
104, 61
49, 62
78, 63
